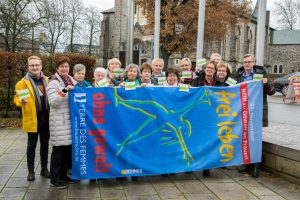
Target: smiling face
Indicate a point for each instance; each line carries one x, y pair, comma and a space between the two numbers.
132, 74
184, 66
157, 67
210, 69
146, 74
222, 73
172, 79
99, 76
216, 58
79, 76
63, 69
113, 65
248, 64
35, 67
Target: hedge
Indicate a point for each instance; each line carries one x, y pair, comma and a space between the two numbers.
13, 67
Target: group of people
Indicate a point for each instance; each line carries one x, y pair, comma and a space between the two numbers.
46, 112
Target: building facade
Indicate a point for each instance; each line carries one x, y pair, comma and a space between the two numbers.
239, 41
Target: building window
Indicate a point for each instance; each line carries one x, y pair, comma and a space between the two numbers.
275, 69
280, 71
176, 61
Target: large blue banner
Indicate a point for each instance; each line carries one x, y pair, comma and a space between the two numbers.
159, 130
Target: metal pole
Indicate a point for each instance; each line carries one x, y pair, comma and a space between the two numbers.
201, 23
261, 32
157, 28
130, 19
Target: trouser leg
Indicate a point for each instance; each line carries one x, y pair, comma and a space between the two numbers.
67, 160
56, 164
31, 145
44, 139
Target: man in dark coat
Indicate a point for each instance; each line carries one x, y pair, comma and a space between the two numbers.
246, 73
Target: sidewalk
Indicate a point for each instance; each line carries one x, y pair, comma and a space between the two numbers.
283, 135
223, 183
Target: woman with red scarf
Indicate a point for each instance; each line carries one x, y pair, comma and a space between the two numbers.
60, 125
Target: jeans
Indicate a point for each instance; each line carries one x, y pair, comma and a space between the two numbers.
43, 132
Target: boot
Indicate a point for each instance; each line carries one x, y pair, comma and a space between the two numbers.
30, 176
206, 172
245, 169
255, 172
45, 172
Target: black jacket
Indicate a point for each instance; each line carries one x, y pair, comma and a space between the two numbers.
267, 90
198, 81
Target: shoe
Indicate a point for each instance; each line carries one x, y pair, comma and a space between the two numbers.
58, 184
30, 176
255, 172
134, 178
69, 180
45, 172
206, 172
245, 169
121, 178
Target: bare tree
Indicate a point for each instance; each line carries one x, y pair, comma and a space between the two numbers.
93, 18
16, 21
288, 13
75, 8
54, 14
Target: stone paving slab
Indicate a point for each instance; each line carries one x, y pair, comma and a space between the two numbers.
223, 184
283, 135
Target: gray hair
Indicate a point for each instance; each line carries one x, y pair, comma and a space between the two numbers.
158, 60
249, 55
113, 60
131, 66
215, 55
78, 67
100, 70
186, 59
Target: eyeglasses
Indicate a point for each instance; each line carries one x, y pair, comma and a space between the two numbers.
247, 62
36, 65
64, 66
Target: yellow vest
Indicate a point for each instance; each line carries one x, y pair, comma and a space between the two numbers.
29, 114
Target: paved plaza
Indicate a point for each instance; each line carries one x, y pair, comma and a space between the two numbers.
223, 183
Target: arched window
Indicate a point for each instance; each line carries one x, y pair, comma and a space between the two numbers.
275, 69
280, 71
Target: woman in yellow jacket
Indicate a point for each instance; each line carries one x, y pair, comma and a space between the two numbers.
32, 97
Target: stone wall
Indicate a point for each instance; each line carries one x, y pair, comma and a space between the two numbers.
286, 55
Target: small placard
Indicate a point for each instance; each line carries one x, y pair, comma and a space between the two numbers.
161, 80
201, 61
184, 88
231, 81
102, 83
130, 86
118, 71
23, 94
258, 77
186, 74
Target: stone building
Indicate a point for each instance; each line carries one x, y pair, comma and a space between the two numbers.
239, 41
284, 48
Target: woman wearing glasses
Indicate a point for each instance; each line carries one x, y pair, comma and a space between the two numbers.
60, 128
